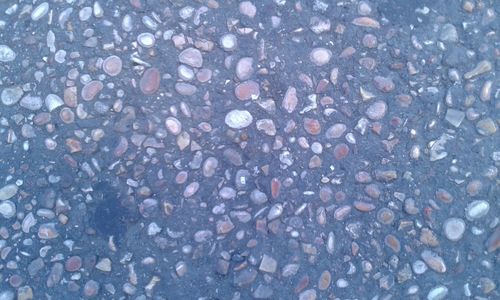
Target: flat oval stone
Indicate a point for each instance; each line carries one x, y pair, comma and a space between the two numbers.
173, 125
434, 261
340, 151
7, 209
11, 96
247, 90
437, 293
112, 65
320, 56
150, 81
191, 57
228, 42
377, 110
31, 102
146, 39
238, 119
336, 131
244, 68
40, 11
47, 231
8, 191
477, 209
91, 89
454, 229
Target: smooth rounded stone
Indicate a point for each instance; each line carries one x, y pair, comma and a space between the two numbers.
191, 57
73, 264
67, 115
437, 293
150, 81
209, 166
433, 261
11, 96
493, 241
91, 89
364, 8
173, 125
275, 211
185, 89
47, 231
267, 126
449, 33
8, 192
204, 75
324, 280
85, 13
454, 229
385, 216
112, 65
247, 90
244, 68
245, 277
31, 102
185, 72
7, 54
366, 22
477, 209
486, 127
369, 40
7, 209
40, 11
474, 188
258, 197
377, 110
228, 42
312, 126
248, 9
146, 39
340, 151
238, 119
91, 288
384, 84
392, 242
308, 295
419, 267
320, 56
336, 131
203, 236
290, 100
191, 189
52, 102
227, 193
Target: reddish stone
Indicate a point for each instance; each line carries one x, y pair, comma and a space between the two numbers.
150, 81
312, 126
91, 89
247, 90
340, 151
73, 264
275, 188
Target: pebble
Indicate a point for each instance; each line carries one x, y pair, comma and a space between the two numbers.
52, 102
454, 229
191, 57
191, 189
482, 67
290, 100
112, 65
312, 126
47, 231
31, 102
320, 56
324, 280
150, 81
247, 90
7, 54
8, 192
454, 117
437, 293
486, 127
67, 115
258, 197
428, 237
335, 131
210, 166
267, 126
340, 151
477, 209
104, 265
433, 261
366, 22
385, 216
369, 41
384, 84
248, 9
238, 119
245, 277
73, 264
268, 264
7, 209
40, 11
308, 295
419, 267
11, 96
228, 42
91, 288
91, 89
244, 68
493, 242
377, 110
449, 33
146, 39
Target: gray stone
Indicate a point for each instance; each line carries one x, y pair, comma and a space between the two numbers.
477, 209
437, 293
11, 96
454, 229
238, 119
6, 54
449, 33
7, 209
8, 191
31, 102
454, 117
245, 277
268, 264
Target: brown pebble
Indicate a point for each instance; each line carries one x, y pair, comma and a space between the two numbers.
369, 40
67, 115
312, 126
474, 187
385, 216
91, 89
324, 280
385, 84
392, 242
275, 187
91, 288
302, 284
247, 90
428, 237
364, 206
70, 96
191, 189
150, 81
443, 195
493, 242
73, 264
73, 145
340, 151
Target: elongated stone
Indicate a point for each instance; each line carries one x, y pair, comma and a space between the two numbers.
150, 81
482, 67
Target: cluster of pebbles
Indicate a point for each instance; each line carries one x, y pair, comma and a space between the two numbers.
283, 149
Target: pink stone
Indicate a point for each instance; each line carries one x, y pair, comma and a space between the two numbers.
340, 151
150, 81
112, 65
247, 90
91, 89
